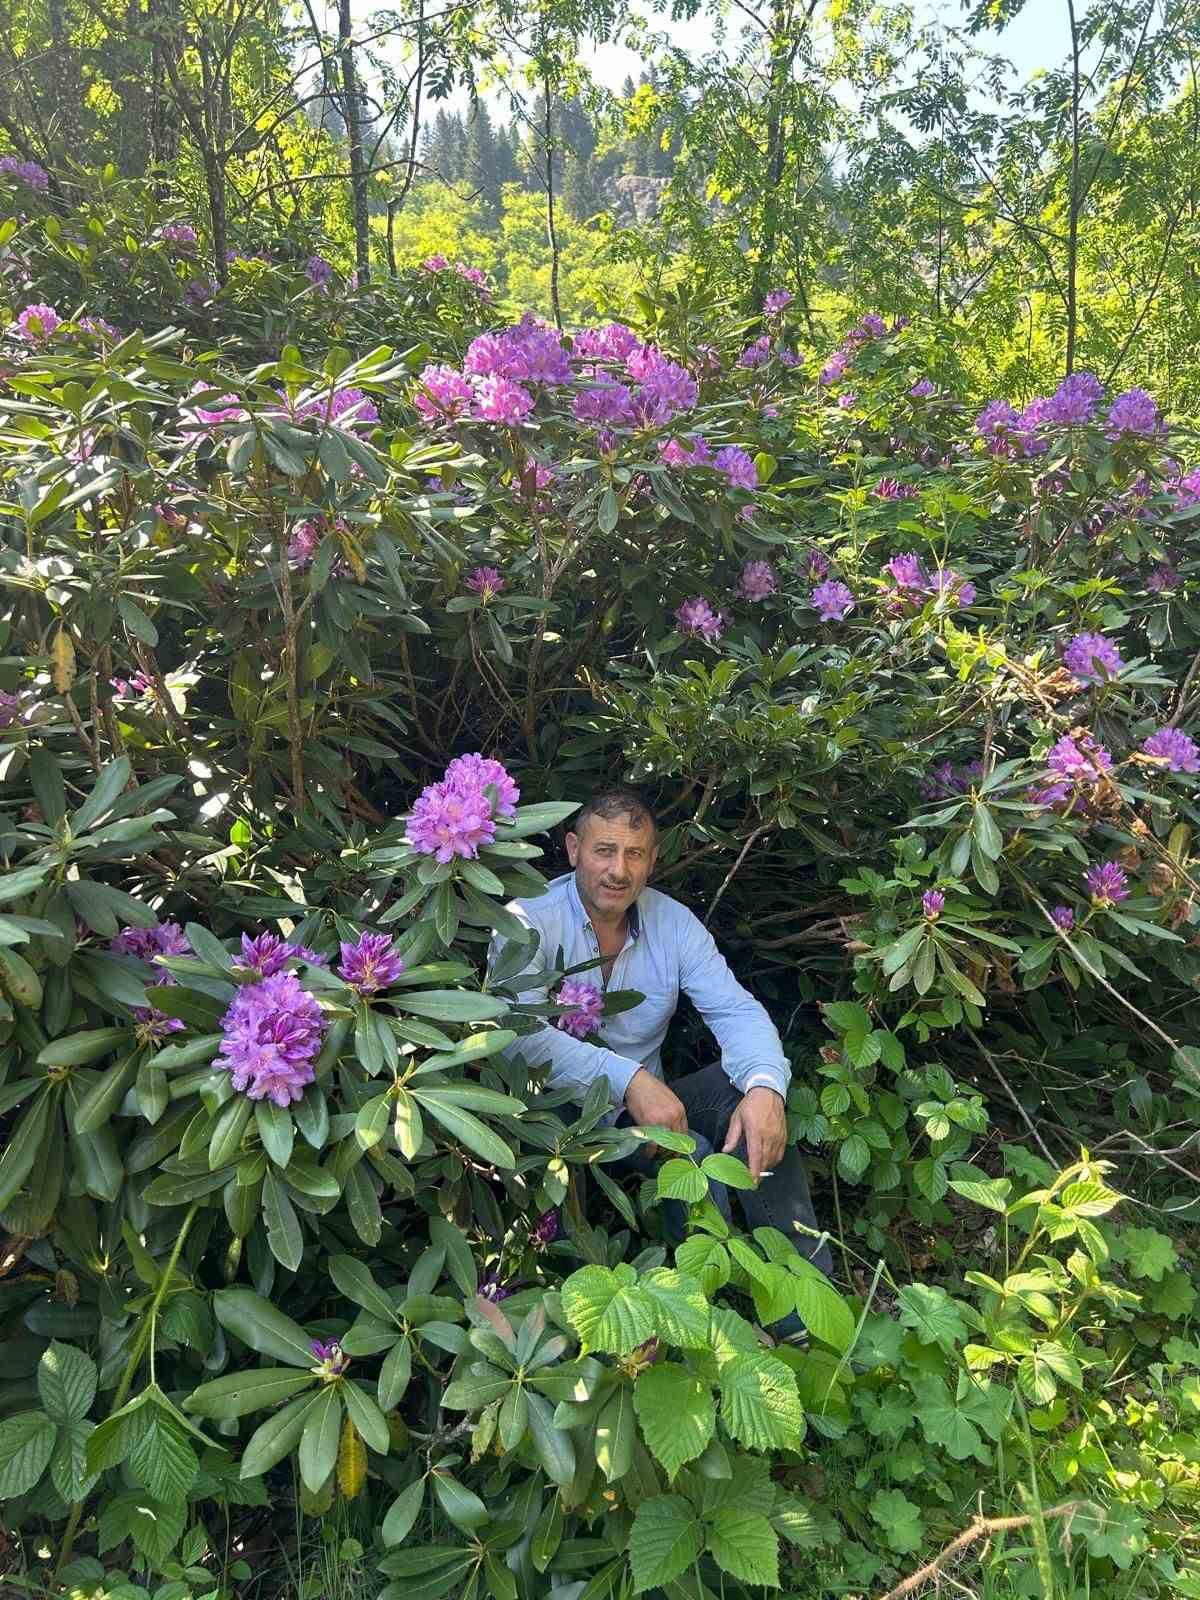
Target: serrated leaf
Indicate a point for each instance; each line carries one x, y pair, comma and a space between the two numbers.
68, 1462
26, 1443
759, 1403
66, 1382
161, 1457
676, 1413
744, 1545
607, 1311
665, 1540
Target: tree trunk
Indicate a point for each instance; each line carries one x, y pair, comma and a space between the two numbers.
783, 42
352, 116
551, 230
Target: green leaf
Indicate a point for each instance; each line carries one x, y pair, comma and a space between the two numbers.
554, 1447
68, 1462
990, 1192
356, 1281
366, 1417
257, 1323
734, 1174
462, 1505
854, 1157
277, 1435
467, 1129
395, 1374
932, 1314
681, 1312
403, 1513
607, 1309
745, 1545
676, 1412
450, 1005
615, 1434
161, 1456
24, 1143
900, 1520
706, 1260
283, 1225
275, 1130
665, 1540
26, 1444
1038, 1372
824, 1313
66, 1382
759, 1403
459, 1261
78, 1049
319, 1440
250, 1389
945, 1423
680, 1179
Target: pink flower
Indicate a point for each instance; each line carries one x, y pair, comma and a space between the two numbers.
479, 772
615, 342
776, 301
486, 582
26, 172
833, 601
272, 1034
1064, 918
446, 822
907, 573
320, 273
758, 580
1092, 658
692, 453
370, 963
922, 389
834, 367
36, 323
847, 399
608, 404
738, 466
498, 399
1174, 747
434, 264
587, 1007
697, 617
893, 489
756, 354
442, 392
1135, 411
179, 233
268, 953
344, 408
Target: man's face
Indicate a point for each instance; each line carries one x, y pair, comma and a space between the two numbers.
613, 859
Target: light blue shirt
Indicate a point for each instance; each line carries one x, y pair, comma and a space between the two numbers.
667, 949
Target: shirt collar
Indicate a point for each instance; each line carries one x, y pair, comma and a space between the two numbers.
633, 916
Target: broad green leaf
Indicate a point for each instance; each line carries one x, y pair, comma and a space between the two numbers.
450, 1005
26, 1443
276, 1436
615, 1434
554, 1447
759, 1403
676, 1412
403, 1513
665, 1540
745, 1545
681, 1312
66, 1382
366, 1417
283, 1226
680, 1179
607, 1309
462, 1505
161, 1456
68, 1462
931, 1313
467, 1129
823, 1311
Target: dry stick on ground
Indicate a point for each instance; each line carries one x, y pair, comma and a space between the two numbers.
981, 1528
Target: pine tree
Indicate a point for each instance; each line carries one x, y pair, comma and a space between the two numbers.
481, 160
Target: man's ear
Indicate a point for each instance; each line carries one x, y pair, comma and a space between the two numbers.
572, 843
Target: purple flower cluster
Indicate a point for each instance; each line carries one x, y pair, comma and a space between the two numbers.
486, 582
835, 367
756, 354
197, 292
499, 400
1163, 578
305, 541
269, 953
833, 601
816, 564
695, 452
587, 1007
226, 408
758, 581
272, 1034
893, 489
1134, 412
698, 618
331, 1358
545, 1229
475, 276
454, 817
344, 408
442, 393
738, 466
319, 272
178, 233
1174, 747
148, 944
37, 322
1092, 658
923, 388
607, 404
532, 351
1107, 884
29, 173
1076, 765
615, 342
911, 584
136, 687
933, 902
946, 780
777, 301
369, 963
1075, 400
1064, 918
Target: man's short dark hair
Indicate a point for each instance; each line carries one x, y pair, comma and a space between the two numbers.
617, 801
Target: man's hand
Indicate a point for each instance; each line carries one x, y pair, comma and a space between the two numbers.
652, 1105
761, 1121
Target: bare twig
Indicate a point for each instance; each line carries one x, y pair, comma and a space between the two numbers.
980, 1528
728, 879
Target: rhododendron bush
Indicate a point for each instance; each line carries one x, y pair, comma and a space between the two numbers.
322, 610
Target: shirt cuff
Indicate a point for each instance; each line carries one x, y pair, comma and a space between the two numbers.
619, 1070
767, 1078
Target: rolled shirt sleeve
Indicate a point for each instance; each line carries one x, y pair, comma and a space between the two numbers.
751, 1052
574, 1063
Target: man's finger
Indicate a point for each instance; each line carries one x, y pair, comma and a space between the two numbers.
735, 1132
754, 1152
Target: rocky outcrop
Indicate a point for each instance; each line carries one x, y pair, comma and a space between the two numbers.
636, 199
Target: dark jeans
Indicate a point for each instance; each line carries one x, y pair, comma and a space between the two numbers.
781, 1201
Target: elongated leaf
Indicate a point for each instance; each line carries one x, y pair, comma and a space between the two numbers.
319, 1440
403, 1513
277, 1435
239, 1393
264, 1328
467, 1129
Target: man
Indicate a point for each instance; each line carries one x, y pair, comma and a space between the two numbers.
653, 944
